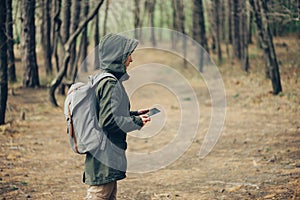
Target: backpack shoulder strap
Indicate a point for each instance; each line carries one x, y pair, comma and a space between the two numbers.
94, 80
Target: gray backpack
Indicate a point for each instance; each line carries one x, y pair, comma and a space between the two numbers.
85, 135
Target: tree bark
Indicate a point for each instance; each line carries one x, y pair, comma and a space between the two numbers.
236, 29
151, 7
84, 38
62, 72
298, 5
10, 43
243, 36
105, 17
227, 28
3, 63
66, 20
273, 64
250, 23
96, 43
199, 33
56, 28
265, 36
178, 16
229, 22
31, 75
137, 19
74, 25
46, 36
178, 25
216, 14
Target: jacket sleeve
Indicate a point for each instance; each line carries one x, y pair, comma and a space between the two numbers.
114, 115
134, 113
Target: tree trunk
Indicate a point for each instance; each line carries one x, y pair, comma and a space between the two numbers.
161, 20
56, 28
216, 14
250, 23
175, 22
243, 36
74, 25
10, 43
199, 33
265, 36
31, 75
236, 29
151, 7
298, 17
96, 43
46, 36
66, 20
182, 30
137, 19
178, 25
84, 37
274, 67
227, 28
105, 17
3, 63
62, 72
229, 18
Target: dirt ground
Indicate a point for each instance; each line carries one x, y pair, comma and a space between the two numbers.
256, 157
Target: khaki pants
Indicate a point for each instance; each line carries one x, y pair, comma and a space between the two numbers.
102, 192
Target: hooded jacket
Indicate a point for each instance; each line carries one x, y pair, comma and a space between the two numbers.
114, 116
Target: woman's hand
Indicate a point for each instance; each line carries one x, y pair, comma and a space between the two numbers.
143, 111
145, 119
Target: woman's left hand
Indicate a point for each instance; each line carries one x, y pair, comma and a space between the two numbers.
143, 111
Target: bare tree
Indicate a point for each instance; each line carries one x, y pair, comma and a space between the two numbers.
31, 75
56, 29
96, 42
3, 63
216, 15
178, 25
137, 19
243, 36
260, 10
10, 43
178, 19
298, 5
84, 37
67, 48
105, 17
46, 35
66, 20
229, 21
150, 6
74, 25
199, 33
235, 24
227, 27
250, 23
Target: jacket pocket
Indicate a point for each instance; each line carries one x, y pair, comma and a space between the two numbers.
117, 157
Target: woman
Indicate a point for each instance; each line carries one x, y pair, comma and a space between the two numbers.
103, 169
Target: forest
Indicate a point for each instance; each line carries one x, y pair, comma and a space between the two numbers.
254, 46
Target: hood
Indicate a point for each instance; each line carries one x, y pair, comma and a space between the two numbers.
114, 50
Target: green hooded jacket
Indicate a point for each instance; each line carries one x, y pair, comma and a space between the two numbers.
114, 113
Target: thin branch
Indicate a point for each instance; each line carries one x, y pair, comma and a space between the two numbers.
56, 82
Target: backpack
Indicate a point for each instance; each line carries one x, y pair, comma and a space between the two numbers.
83, 129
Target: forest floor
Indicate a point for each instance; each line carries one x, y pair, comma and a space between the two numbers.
256, 157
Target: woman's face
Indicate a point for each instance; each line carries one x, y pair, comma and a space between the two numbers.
128, 61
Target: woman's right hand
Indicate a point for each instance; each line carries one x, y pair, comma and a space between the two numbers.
145, 119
